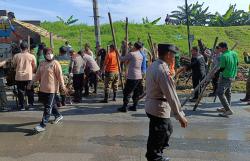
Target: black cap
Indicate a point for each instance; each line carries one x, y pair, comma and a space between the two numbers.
223, 45
138, 45
162, 48
63, 49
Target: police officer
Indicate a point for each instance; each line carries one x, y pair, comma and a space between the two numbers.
160, 101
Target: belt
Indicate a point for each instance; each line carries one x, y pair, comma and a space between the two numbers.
162, 99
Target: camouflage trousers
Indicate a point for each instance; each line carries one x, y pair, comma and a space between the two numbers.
3, 97
111, 79
248, 88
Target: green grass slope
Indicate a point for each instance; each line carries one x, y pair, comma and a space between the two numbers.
160, 33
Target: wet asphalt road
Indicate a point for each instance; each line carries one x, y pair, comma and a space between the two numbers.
92, 131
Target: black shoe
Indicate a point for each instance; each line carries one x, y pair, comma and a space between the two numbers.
245, 100
114, 96
211, 95
63, 103
122, 109
58, 104
193, 100
85, 94
104, 101
132, 108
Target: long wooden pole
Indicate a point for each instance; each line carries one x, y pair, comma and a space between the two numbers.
97, 23
126, 37
80, 39
29, 43
117, 54
51, 40
188, 29
152, 46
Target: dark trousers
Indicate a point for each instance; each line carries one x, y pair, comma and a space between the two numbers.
196, 81
134, 86
215, 81
160, 130
22, 91
49, 102
78, 85
91, 79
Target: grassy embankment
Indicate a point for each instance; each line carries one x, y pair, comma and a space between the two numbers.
160, 33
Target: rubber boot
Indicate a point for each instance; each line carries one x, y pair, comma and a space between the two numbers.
114, 96
123, 108
133, 108
106, 96
247, 97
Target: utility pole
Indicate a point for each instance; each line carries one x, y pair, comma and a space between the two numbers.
188, 30
97, 23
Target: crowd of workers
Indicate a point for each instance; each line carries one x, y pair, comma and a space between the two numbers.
55, 72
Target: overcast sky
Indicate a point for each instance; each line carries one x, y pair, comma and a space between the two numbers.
135, 10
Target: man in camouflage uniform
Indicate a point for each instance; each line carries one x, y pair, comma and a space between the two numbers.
3, 97
64, 60
247, 97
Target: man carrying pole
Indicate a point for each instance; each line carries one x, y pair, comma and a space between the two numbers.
228, 68
110, 68
133, 83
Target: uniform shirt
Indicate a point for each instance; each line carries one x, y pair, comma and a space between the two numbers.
91, 63
135, 63
198, 66
89, 52
247, 60
144, 62
49, 74
64, 61
160, 86
229, 61
102, 53
111, 62
77, 64
24, 64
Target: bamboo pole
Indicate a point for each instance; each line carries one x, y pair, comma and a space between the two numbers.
126, 49
152, 46
51, 40
117, 52
29, 43
80, 39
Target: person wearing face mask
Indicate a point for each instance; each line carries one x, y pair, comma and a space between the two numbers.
50, 76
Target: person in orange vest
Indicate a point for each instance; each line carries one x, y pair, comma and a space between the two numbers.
111, 70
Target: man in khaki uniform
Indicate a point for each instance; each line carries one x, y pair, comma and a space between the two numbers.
25, 65
161, 100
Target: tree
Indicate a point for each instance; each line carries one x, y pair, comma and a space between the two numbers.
145, 21
232, 17
197, 15
69, 21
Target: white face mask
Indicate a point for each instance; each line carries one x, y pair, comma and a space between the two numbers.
49, 56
